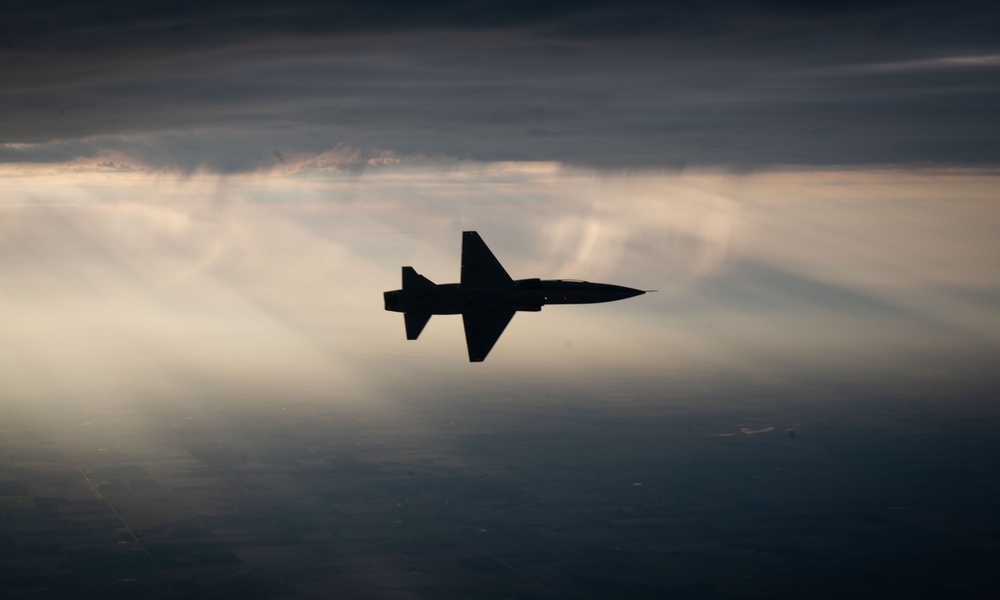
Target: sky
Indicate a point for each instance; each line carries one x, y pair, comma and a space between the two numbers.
237, 87
221, 191
202, 203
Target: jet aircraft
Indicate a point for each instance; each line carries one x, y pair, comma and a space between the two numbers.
487, 297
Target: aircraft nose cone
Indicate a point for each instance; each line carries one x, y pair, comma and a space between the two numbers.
621, 292
631, 292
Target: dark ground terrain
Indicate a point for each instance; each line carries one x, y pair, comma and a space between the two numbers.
702, 491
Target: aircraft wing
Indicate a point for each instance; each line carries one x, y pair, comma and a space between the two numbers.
480, 269
483, 329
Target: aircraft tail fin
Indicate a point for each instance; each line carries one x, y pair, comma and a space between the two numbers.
415, 323
480, 269
415, 281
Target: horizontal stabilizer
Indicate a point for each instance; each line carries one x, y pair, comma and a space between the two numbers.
415, 323
415, 281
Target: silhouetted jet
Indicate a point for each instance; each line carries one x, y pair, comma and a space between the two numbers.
487, 297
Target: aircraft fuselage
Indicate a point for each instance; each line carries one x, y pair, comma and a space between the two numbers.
522, 295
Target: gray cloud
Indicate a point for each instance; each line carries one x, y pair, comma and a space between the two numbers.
65, 25
744, 85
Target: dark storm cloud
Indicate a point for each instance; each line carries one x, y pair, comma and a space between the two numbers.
62, 24
221, 86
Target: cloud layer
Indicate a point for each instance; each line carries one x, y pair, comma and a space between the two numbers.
230, 87
118, 283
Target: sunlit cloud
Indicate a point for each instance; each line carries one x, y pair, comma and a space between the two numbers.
116, 281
